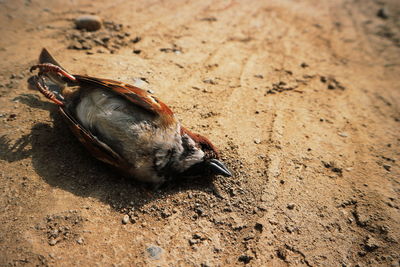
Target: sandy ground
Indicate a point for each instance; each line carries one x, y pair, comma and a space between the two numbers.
301, 97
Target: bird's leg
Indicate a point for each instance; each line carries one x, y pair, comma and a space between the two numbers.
48, 67
46, 92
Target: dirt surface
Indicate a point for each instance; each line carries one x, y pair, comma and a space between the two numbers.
301, 97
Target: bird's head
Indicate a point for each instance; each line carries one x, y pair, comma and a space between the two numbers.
203, 156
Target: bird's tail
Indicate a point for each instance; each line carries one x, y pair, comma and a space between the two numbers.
45, 57
55, 83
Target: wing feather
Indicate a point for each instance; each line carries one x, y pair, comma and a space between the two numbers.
98, 149
134, 95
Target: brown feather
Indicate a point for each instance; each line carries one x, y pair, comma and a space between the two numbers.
134, 95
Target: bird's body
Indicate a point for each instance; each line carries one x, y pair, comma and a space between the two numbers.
125, 126
135, 134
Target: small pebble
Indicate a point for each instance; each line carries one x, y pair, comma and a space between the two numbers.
136, 39
383, 13
290, 206
259, 227
304, 65
88, 22
210, 81
16, 76
125, 219
336, 169
154, 252
343, 134
245, 259
281, 253
193, 242
79, 241
371, 244
331, 86
362, 253
387, 167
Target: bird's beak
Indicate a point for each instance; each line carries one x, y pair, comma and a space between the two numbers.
219, 168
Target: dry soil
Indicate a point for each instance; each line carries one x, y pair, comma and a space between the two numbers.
301, 97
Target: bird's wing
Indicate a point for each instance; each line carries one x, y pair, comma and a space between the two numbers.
98, 149
133, 94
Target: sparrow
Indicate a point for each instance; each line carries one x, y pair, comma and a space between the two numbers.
125, 126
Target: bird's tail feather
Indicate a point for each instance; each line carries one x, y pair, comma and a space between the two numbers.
54, 82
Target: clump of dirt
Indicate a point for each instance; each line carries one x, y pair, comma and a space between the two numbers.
62, 227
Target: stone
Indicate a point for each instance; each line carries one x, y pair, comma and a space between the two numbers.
245, 259
125, 219
88, 22
154, 252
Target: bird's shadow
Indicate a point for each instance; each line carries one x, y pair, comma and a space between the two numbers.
62, 162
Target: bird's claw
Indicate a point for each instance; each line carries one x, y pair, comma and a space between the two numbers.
48, 67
